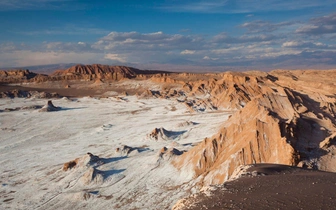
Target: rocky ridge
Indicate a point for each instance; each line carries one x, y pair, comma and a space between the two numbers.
278, 120
89, 72
16, 76
283, 117
79, 72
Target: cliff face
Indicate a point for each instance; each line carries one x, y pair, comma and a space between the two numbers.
89, 72
14, 76
81, 72
278, 121
284, 117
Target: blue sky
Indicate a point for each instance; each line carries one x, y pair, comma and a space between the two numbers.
170, 34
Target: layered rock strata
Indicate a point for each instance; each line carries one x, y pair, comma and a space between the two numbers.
277, 121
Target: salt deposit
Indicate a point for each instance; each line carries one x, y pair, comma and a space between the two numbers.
34, 146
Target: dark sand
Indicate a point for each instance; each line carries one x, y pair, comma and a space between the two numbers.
282, 187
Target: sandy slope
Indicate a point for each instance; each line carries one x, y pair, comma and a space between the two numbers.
34, 146
269, 186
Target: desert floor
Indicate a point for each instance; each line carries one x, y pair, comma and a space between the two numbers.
271, 186
34, 146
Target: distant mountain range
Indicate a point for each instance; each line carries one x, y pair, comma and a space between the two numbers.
50, 68
44, 69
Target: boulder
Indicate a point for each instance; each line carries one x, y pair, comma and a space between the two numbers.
49, 107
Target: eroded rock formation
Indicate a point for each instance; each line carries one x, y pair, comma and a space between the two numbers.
49, 107
80, 72
169, 153
15, 76
97, 71
162, 134
87, 160
278, 121
16, 93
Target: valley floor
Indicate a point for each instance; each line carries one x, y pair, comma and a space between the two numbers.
34, 146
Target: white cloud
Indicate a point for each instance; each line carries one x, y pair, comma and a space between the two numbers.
290, 44
188, 52
116, 57
319, 26
225, 38
7, 47
228, 50
68, 47
307, 45
306, 28
280, 53
130, 41
264, 26
208, 58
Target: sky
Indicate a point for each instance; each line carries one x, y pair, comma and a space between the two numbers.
170, 34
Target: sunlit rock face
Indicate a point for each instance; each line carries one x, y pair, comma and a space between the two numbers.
279, 120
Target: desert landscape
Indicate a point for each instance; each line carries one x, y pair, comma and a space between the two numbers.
116, 137
165, 104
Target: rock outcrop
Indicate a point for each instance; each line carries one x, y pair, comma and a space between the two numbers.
125, 150
16, 76
162, 134
92, 176
87, 160
97, 71
16, 93
71, 164
80, 72
49, 107
278, 121
169, 153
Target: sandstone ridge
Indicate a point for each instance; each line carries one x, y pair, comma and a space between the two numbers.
278, 120
101, 71
79, 72
14, 76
